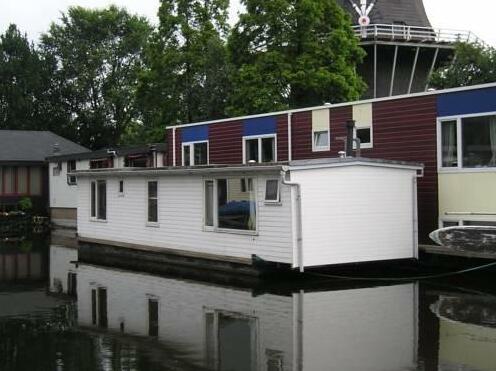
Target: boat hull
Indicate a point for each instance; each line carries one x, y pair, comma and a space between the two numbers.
477, 239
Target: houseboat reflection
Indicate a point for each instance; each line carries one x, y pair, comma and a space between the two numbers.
228, 328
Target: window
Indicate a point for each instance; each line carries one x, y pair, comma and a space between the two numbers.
447, 224
230, 205
259, 149
195, 154
321, 140
99, 200
153, 202
364, 134
449, 144
272, 190
71, 167
35, 181
468, 142
121, 188
57, 169
209, 203
99, 307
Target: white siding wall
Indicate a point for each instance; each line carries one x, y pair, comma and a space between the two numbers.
182, 308
63, 195
181, 219
356, 214
373, 329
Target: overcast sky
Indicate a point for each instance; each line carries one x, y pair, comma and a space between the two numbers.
34, 16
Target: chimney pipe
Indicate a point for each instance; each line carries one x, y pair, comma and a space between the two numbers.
350, 126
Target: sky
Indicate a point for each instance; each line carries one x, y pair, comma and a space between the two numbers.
35, 16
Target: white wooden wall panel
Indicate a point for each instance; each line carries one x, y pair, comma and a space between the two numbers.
181, 219
356, 214
63, 195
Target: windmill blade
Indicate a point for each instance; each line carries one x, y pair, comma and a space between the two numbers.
358, 10
370, 7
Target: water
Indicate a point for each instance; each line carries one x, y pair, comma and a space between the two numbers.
122, 320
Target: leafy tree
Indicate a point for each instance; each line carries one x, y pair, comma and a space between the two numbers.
293, 53
98, 56
473, 64
186, 78
22, 82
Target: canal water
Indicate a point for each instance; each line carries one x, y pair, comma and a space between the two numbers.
56, 315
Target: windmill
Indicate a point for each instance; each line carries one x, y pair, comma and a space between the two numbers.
403, 49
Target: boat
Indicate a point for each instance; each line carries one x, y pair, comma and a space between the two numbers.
475, 239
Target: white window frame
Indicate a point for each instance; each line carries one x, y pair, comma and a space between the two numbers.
96, 218
192, 152
215, 227
315, 148
459, 139
277, 201
121, 194
71, 179
364, 145
259, 137
147, 198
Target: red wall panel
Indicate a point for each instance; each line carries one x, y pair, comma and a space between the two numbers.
282, 138
226, 143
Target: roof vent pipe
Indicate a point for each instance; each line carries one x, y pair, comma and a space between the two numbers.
153, 152
56, 149
350, 128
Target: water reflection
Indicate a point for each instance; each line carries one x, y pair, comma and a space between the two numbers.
87, 317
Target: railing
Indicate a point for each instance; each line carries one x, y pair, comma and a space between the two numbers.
397, 32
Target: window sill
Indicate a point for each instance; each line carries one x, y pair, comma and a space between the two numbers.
231, 231
448, 170
120, 194
272, 203
152, 224
321, 149
95, 220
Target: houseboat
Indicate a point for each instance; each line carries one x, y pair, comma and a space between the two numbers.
23, 166
452, 132
300, 213
63, 189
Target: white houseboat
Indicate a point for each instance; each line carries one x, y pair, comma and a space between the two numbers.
302, 214
63, 190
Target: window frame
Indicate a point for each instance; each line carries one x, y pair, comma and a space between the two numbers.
459, 144
191, 146
95, 217
260, 137
57, 169
215, 227
147, 198
316, 148
277, 201
364, 145
119, 192
71, 179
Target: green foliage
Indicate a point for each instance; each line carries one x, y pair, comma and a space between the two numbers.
293, 53
98, 56
25, 204
23, 81
473, 64
186, 75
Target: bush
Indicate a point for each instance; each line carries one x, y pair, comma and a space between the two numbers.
25, 204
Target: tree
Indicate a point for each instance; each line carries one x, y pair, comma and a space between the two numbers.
293, 53
473, 64
98, 56
22, 82
186, 78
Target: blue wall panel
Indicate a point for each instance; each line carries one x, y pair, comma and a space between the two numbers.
466, 102
260, 126
194, 133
